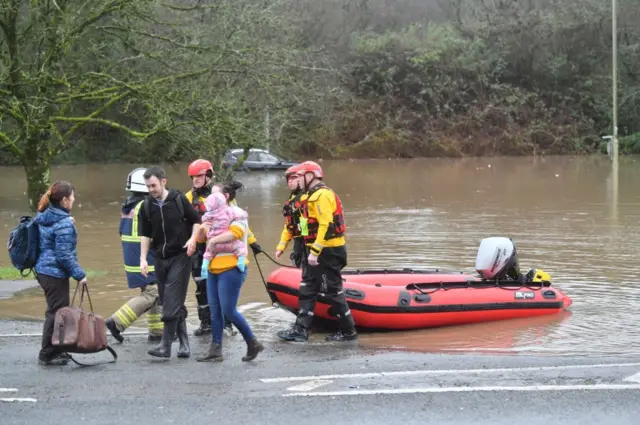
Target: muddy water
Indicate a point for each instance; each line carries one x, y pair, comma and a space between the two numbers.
428, 213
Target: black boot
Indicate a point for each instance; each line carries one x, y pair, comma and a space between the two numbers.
183, 350
204, 314
111, 325
213, 354
228, 328
254, 347
164, 348
343, 336
295, 333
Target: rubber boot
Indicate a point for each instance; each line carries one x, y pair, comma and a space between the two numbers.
184, 351
254, 347
164, 348
213, 354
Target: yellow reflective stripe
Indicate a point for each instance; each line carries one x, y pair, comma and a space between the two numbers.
132, 269
134, 225
125, 238
122, 318
132, 315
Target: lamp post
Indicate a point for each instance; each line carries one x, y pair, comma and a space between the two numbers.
614, 60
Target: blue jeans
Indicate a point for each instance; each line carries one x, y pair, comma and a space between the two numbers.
223, 291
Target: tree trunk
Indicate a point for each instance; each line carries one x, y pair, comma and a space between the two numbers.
37, 164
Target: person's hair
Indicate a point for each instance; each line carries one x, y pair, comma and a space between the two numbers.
155, 171
230, 188
55, 194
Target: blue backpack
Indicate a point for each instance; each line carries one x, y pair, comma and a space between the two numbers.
24, 245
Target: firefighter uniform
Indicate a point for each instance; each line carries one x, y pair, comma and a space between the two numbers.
148, 301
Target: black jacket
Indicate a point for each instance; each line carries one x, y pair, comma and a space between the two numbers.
168, 229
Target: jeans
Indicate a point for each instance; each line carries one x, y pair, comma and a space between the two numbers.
223, 291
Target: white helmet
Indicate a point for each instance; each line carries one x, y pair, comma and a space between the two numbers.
135, 181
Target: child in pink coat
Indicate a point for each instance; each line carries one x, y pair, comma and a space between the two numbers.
219, 217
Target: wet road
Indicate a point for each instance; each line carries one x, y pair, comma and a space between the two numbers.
317, 383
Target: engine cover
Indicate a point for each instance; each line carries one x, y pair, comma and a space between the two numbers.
496, 255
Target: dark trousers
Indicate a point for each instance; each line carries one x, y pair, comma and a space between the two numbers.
56, 292
173, 281
204, 312
325, 278
298, 254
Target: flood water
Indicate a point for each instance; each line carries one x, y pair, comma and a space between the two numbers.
427, 213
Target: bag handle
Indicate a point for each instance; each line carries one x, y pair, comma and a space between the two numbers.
85, 288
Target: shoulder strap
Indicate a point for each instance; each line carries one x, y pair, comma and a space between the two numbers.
147, 207
113, 353
180, 200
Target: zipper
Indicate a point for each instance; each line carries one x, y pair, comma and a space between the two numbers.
163, 231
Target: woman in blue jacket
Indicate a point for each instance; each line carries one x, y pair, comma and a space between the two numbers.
57, 261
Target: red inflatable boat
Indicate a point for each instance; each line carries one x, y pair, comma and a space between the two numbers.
414, 299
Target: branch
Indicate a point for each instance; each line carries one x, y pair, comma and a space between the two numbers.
11, 146
94, 114
156, 37
112, 7
113, 124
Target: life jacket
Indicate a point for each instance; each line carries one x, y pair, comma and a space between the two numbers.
291, 214
336, 227
131, 250
197, 198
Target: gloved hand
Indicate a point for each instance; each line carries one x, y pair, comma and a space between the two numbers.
204, 271
257, 249
241, 265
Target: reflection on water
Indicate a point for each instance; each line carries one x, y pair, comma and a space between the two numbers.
425, 213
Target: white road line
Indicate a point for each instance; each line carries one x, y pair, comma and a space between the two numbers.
600, 387
308, 386
444, 372
633, 378
8, 390
11, 400
249, 306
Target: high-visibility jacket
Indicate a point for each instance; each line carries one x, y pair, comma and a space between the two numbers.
129, 236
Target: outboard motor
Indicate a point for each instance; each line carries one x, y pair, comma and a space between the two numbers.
497, 259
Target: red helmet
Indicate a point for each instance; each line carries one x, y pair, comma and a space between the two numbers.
199, 167
291, 170
310, 167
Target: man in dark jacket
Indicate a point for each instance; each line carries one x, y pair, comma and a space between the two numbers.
169, 226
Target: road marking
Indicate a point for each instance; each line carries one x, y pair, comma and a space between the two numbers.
8, 390
308, 386
443, 372
249, 306
633, 378
601, 387
11, 400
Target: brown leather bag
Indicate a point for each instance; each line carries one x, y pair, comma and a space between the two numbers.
78, 331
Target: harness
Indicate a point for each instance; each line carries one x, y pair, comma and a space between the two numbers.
291, 213
336, 227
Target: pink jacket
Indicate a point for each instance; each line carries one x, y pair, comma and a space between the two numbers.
219, 216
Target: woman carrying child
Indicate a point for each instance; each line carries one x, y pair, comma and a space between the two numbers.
225, 265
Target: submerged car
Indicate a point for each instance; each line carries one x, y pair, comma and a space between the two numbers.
257, 159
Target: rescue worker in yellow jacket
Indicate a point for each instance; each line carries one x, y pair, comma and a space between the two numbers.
202, 175
291, 229
322, 227
148, 301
